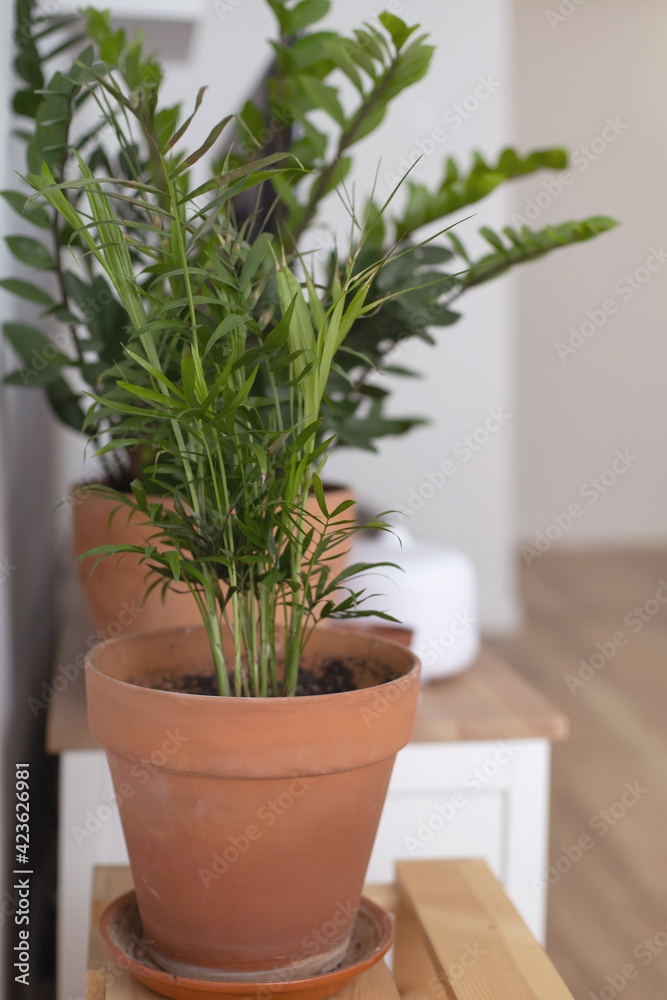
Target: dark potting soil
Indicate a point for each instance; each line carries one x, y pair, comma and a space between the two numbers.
334, 677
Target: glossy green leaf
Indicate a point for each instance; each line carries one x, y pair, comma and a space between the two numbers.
318, 490
212, 138
459, 189
397, 28
65, 403
26, 102
189, 378
33, 345
323, 97
31, 252
36, 214
26, 290
308, 12
528, 245
174, 565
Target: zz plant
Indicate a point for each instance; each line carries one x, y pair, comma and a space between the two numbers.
303, 85
303, 89
233, 368
80, 303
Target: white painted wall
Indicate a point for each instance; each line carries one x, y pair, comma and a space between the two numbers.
603, 61
469, 373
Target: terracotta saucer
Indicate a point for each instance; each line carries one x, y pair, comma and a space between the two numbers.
122, 934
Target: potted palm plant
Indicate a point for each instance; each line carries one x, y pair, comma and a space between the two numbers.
250, 755
284, 117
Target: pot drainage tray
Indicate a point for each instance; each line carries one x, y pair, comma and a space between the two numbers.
122, 934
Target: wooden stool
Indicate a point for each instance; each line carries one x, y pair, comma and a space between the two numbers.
457, 937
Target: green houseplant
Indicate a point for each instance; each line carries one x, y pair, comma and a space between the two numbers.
302, 90
300, 85
299, 88
238, 464
85, 319
222, 391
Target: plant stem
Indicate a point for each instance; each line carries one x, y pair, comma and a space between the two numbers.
347, 137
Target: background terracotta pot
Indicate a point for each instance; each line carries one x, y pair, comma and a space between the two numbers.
393, 633
114, 590
249, 822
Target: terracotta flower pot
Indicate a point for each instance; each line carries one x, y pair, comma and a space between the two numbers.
117, 585
249, 822
394, 633
114, 590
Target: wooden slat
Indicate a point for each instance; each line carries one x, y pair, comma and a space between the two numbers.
415, 974
105, 980
376, 984
457, 935
122, 986
481, 948
383, 894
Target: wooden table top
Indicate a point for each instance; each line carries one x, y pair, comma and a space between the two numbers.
457, 937
489, 701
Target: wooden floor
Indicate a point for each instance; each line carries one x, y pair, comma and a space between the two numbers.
609, 910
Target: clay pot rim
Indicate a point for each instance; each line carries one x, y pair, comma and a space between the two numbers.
85, 484
262, 737
277, 700
84, 487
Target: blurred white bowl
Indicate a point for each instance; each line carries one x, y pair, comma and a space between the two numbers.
434, 593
